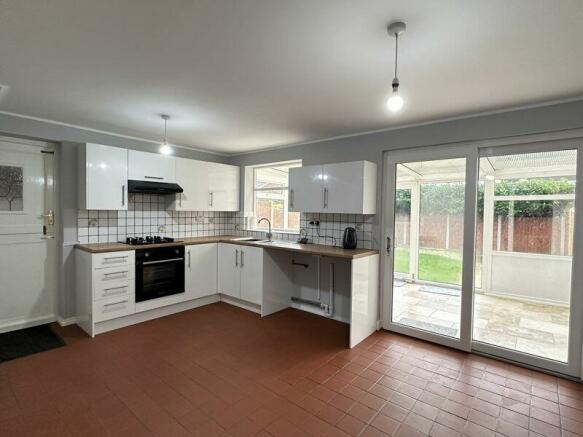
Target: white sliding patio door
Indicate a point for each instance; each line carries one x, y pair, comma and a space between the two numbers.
483, 249
428, 258
527, 303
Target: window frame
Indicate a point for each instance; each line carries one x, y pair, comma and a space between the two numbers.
285, 189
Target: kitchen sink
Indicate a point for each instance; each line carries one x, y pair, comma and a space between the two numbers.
250, 239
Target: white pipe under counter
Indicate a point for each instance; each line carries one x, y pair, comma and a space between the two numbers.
341, 288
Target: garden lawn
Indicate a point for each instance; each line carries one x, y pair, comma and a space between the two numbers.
434, 265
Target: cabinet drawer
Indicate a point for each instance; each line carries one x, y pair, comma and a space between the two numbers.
113, 259
114, 307
113, 274
106, 290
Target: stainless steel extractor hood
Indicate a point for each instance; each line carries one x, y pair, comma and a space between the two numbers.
147, 187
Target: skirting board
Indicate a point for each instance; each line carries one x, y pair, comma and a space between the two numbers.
66, 322
241, 304
122, 322
13, 325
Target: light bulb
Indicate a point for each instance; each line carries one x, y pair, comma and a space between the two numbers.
395, 102
165, 149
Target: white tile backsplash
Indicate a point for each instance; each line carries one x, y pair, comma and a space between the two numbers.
147, 215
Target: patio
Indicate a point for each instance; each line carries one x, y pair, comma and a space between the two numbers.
528, 326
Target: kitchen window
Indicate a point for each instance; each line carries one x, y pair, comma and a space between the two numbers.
270, 197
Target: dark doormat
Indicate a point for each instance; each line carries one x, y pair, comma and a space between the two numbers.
28, 341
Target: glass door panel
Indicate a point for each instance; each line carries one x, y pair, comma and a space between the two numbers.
429, 204
524, 253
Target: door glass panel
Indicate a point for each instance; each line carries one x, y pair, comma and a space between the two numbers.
524, 252
428, 241
11, 179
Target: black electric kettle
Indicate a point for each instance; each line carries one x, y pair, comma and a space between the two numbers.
349, 239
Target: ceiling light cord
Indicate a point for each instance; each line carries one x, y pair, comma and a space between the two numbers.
165, 130
396, 79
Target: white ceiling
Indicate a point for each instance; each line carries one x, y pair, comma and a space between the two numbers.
243, 75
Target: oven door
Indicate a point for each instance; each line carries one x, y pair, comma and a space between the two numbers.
159, 273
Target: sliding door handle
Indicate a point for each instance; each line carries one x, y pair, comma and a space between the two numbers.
388, 245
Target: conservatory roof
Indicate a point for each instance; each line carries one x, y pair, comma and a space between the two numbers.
549, 164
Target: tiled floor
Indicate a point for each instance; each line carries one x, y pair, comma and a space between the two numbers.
219, 370
527, 326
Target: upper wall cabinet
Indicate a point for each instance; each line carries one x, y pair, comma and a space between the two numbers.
207, 186
347, 187
143, 166
102, 177
224, 187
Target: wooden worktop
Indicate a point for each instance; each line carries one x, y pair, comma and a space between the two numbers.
314, 249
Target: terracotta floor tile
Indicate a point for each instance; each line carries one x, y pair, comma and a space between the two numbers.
351, 425
219, 370
385, 424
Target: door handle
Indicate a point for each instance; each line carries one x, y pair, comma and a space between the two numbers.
242, 263
123, 195
324, 200
388, 245
154, 177
50, 216
189, 259
180, 203
291, 198
236, 257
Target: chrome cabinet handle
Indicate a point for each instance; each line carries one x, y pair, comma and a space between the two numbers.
236, 257
115, 257
114, 303
291, 198
212, 198
180, 199
125, 272
189, 259
123, 195
325, 197
154, 177
242, 254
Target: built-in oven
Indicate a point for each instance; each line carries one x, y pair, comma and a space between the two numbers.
159, 272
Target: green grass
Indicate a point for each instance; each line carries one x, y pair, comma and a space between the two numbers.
435, 266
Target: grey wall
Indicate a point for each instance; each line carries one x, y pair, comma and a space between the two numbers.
371, 146
66, 213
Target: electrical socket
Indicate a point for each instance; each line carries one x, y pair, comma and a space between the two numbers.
314, 223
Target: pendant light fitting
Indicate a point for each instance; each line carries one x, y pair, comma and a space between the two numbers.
395, 29
165, 149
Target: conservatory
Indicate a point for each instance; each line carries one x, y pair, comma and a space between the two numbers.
524, 234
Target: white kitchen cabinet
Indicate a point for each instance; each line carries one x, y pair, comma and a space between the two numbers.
305, 189
208, 186
153, 167
241, 272
348, 188
201, 270
193, 177
223, 183
251, 266
229, 282
102, 177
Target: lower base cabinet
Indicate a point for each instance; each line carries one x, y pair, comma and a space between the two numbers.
200, 270
241, 272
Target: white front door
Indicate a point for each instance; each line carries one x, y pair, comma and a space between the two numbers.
27, 245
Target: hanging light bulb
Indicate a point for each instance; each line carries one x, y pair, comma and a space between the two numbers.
165, 149
395, 101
